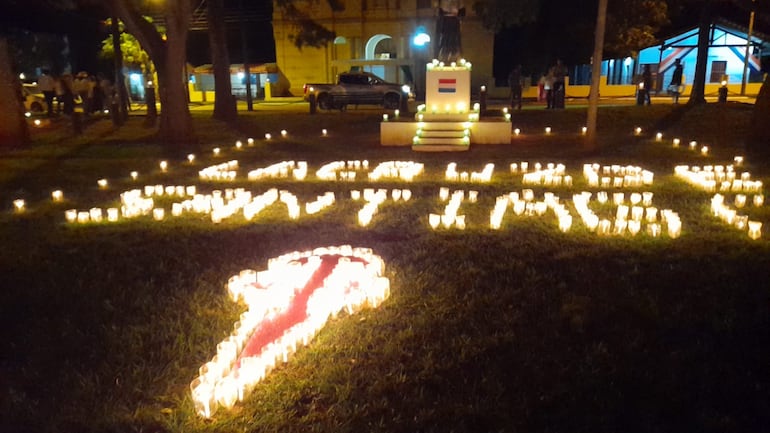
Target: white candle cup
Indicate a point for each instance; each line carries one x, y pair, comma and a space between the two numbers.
755, 229
406, 194
95, 214
83, 217
646, 199
102, 183
759, 200
57, 195
740, 200
134, 175
112, 214
443, 193
71, 215
447, 220
355, 194
460, 222
653, 230
18, 205
158, 213
434, 220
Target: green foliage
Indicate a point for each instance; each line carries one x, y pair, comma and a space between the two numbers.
499, 14
307, 31
632, 25
133, 53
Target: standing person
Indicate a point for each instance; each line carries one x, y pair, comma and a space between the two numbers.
80, 88
675, 86
559, 72
647, 83
47, 84
514, 81
66, 95
548, 83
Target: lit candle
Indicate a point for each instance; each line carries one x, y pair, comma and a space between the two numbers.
324, 132
584, 130
676, 142
659, 136
112, 214
547, 129
755, 229
190, 158
102, 183
406, 194
268, 136
517, 131
163, 166
18, 204
759, 199
740, 200
384, 117
434, 220
134, 175
71, 215
57, 195
238, 144
216, 151
284, 133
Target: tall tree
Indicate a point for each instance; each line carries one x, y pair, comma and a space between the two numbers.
224, 103
13, 126
593, 96
169, 55
698, 92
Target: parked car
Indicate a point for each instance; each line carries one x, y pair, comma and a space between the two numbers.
358, 88
34, 101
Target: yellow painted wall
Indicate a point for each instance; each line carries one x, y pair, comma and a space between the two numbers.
400, 21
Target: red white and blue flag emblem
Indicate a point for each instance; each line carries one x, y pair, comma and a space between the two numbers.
447, 85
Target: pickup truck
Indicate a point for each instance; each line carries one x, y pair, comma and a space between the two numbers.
357, 88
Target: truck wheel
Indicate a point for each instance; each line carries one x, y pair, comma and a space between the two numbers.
324, 101
391, 101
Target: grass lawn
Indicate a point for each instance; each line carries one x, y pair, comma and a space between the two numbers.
521, 329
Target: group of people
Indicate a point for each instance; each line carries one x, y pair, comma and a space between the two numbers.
552, 83
61, 93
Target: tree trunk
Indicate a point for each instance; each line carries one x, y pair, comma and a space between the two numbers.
698, 93
169, 57
175, 121
224, 103
13, 125
590, 144
758, 143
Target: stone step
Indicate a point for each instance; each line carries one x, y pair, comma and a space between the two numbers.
442, 140
440, 148
443, 126
442, 133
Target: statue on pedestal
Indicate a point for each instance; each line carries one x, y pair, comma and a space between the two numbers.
448, 15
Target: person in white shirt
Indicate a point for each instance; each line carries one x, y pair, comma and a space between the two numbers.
47, 85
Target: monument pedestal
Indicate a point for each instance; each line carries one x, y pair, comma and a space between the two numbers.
446, 122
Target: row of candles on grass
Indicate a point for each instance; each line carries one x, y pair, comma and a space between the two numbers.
718, 178
731, 216
355, 282
617, 176
627, 218
485, 175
